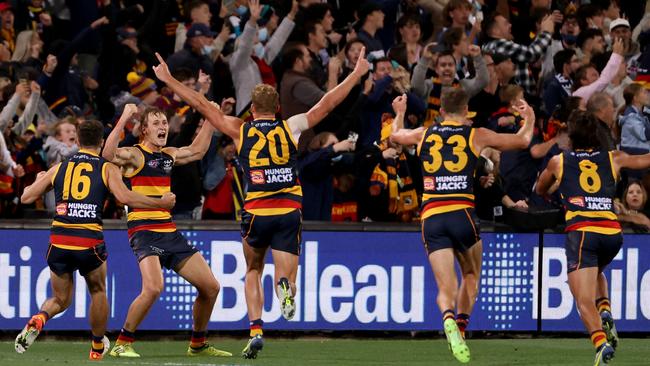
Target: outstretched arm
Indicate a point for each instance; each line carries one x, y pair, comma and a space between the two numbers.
132, 199
634, 162
197, 148
211, 111
42, 184
408, 137
335, 96
500, 141
120, 156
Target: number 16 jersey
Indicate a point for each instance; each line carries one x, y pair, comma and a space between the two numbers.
268, 156
80, 188
448, 160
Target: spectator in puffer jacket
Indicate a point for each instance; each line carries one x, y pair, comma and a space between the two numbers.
635, 127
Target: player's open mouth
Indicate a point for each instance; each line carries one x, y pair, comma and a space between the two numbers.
162, 135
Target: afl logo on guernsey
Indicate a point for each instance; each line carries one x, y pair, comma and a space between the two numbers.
257, 177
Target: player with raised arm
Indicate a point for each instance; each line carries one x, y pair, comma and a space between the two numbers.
152, 233
448, 153
81, 185
586, 177
268, 153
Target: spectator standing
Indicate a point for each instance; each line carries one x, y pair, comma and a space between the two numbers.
499, 35
445, 67
371, 18
249, 69
560, 86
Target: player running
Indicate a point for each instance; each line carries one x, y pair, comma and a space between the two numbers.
586, 178
81, 185
448, 153
152, 234
267, 150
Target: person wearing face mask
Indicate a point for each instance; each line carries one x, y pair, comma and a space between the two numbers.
196, 54
246, 67
564, 38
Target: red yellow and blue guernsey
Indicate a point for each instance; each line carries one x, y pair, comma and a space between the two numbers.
152, 179
448, 160
268, 156
587, 188
80, 188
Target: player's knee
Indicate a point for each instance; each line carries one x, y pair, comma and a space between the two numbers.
96, 287
152, 291
210, 290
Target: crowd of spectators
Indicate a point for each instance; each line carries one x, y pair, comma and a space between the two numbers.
62, 62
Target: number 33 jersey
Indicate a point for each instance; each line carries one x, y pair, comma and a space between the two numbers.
80, 188
588, 187
268, 155
448, 160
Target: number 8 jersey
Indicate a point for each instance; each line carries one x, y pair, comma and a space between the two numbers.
448, 160
268, 155
80, 188
587, 188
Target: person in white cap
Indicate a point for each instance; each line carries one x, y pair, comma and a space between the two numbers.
620, 28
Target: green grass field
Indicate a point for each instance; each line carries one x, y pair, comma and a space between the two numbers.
315, 352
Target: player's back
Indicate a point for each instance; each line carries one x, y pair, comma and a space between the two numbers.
448, 161
81, 188
587, 188
268, 155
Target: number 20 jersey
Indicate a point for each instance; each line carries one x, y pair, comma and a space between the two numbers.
80, 188
268, 155
448, 161
587, 188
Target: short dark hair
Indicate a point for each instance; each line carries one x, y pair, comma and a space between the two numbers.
316, 12
90, 133
403, 21
488, 23
376, 62
584, 12
454, 100
292, 53
452, 37
446, 53
562, 58
309, 28
195, 4
182, 74
583, 131
587, 34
